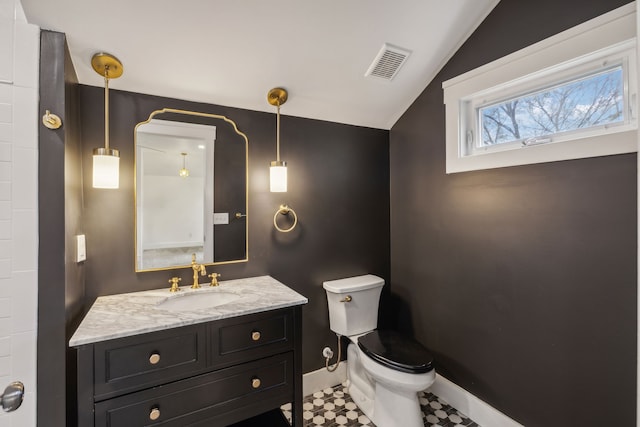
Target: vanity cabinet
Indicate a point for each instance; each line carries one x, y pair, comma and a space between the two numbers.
214, 373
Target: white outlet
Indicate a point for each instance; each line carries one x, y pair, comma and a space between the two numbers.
81, 248
220, 218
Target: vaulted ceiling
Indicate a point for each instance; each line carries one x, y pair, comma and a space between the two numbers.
231, 52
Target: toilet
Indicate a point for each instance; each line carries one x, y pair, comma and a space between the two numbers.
386, 370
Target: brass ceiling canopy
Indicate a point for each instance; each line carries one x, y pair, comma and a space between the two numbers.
277, 96
104, 62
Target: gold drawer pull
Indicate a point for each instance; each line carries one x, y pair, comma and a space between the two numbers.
255, 382
154, 358
154, 414
255, 335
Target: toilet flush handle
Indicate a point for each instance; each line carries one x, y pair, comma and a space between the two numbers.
346, 299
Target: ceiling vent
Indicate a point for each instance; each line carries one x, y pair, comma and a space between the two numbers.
388, 62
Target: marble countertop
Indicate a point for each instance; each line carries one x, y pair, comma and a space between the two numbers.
123, 315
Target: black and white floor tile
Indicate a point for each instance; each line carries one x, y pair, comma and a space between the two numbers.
333, 407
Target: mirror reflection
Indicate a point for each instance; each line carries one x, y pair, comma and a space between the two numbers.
191, 190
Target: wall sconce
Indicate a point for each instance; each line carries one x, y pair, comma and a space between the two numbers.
106, 161
278, 169
184, 172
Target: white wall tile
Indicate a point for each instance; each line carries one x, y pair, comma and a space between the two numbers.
5, 190
6, 45
5, 230
6, 149
26, 416
5, 252
5, 366
6, 288
25, 302
25, 116
5, 268
7, 9
5, 420
5, 210
5, 326
6, 93
5, 307
6, 113
26, 52
5, 347
6, 131
23, 368
25, 240
25, 178
5, 171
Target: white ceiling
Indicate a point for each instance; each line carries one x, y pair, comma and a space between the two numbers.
231, 52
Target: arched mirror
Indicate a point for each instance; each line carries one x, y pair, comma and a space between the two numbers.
191, 190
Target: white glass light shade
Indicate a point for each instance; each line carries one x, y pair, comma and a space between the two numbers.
278, 177
106, 170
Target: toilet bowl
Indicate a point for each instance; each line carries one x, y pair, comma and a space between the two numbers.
386, 370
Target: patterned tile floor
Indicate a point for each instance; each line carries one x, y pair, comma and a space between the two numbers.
333, 407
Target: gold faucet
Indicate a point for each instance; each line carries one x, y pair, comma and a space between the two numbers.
197, 268
174, 284
214, 279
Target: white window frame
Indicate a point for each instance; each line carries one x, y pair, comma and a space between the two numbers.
609, 38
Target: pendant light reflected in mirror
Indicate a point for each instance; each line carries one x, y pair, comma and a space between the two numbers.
106, 160
278, 169
184, 172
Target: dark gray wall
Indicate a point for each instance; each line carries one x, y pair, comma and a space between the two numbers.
521, 280
60, 281
338, 186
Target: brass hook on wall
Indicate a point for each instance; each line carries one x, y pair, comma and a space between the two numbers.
285, 210
51, 121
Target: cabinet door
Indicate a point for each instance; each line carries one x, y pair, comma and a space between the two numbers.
217, 398
134, 363
245, 338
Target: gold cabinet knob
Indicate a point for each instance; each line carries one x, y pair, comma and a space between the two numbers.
255, 382
154, 414
154, 358
255, 335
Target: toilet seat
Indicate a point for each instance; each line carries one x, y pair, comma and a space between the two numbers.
396, 351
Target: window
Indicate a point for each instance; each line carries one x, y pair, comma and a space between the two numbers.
571, 96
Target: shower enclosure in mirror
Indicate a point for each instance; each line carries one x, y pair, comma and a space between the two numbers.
191, 190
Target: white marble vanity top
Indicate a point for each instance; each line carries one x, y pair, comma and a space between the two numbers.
123, 315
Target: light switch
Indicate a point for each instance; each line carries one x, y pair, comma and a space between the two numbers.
81, 248
221, 218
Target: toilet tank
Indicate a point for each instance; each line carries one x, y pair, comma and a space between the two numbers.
360, 314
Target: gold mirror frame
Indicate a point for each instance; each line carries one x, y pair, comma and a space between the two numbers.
135, 184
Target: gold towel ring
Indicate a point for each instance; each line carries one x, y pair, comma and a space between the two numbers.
284, 210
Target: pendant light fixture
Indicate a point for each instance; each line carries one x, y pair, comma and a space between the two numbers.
106, 160
184, 172
278, 169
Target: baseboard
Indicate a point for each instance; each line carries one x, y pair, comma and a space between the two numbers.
479, 411
321, 379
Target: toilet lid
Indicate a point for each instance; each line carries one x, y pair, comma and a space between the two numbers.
396, 351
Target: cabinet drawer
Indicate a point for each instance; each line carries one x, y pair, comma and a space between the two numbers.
250, 337
228, 395
133, 363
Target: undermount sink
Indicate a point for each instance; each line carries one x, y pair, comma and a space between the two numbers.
198, 301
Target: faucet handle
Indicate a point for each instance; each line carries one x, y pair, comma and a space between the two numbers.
214, 278
174, 284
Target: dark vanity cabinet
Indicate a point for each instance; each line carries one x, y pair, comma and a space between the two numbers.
208, 374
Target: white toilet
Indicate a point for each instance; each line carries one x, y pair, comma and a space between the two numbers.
386, 370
